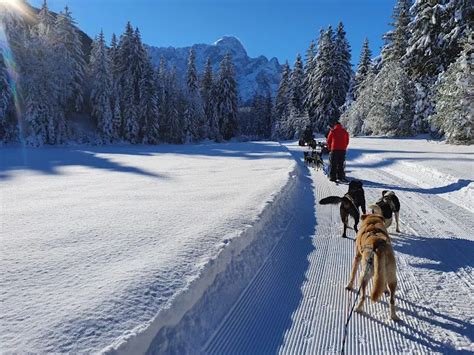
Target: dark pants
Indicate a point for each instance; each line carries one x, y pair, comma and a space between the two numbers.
336, 159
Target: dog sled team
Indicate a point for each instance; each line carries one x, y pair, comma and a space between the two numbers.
373, 245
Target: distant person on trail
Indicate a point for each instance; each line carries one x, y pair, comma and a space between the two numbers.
337, 140
308, 134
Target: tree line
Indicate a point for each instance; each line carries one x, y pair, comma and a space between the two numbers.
422, 82
127, 98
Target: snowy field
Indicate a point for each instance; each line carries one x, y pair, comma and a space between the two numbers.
223, 248
96, 241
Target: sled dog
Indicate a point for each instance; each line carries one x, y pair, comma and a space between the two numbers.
388, 206
350, 204
374, 248
311, 158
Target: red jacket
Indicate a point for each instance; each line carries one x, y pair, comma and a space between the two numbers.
338, 138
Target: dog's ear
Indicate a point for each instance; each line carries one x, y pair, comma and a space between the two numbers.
364, 216
384, 192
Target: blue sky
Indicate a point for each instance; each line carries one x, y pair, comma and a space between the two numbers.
274, 28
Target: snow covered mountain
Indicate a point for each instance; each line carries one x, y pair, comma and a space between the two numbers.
254, 75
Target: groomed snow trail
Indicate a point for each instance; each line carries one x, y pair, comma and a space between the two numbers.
297, 302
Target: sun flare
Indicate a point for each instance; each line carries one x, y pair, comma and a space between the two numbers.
18, 6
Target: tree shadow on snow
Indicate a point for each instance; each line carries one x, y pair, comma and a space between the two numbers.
454, 186
48, 160
444, 254
427, 315
414, 333
354, 153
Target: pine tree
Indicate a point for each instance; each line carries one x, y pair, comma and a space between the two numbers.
324, 96
5, 92
343, 66
297, 85
115, 99
6, 103
454, 98
457, 20
68, 47
396, 40
149, 111
424, 58
101, 93
207, 94
424, 55
266, 122
227, 99
310, 67
391, 102
432, 47
192, 79
162, 84
174, 111
362, 69
130, 71
310, 53
45, 21
196, 122
44, 117
357, 112
283, 96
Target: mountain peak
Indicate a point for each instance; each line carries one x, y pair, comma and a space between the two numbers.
232, 44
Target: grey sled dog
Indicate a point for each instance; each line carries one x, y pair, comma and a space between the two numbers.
386, 207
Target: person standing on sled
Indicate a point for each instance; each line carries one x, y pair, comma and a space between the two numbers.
337, 140
308, 135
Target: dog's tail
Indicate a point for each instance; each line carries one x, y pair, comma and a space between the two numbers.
380, 275
331, 200
375, 209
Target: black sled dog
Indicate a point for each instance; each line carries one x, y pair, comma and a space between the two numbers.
350, 204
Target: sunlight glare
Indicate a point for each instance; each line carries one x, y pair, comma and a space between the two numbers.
18, 6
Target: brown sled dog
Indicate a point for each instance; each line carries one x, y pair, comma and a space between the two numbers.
374, 247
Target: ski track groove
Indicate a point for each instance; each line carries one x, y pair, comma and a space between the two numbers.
317, 323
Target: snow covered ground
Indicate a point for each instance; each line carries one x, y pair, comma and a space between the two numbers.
96, 241
436, 168
224, 249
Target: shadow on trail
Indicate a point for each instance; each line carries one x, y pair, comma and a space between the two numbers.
413, 333
426, 315
447, 254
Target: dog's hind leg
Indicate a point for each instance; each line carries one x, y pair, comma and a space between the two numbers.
364, 278
392, 287
355, 265
397, 216
344, 219
344, 234
363, 285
